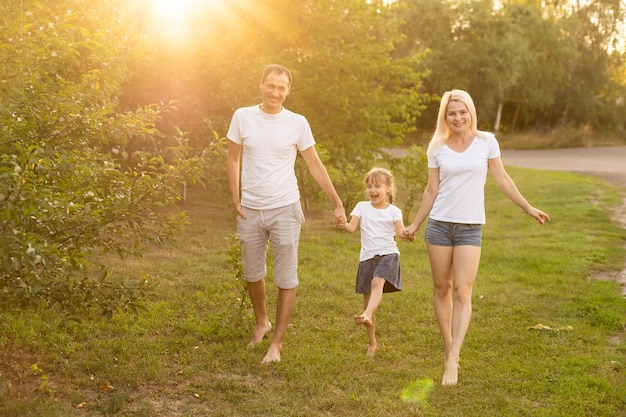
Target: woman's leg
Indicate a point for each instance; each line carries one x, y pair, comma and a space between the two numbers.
441, 269
465, 262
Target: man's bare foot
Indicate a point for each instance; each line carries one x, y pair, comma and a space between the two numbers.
260, 333
371, 349
272, 355
363, 319
451, 373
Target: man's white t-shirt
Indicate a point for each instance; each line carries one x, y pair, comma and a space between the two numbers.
377, 229
462, 177
270, 145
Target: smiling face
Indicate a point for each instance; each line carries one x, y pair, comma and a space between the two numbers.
458, 118
274, 90
377, 192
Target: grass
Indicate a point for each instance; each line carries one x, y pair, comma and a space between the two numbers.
187, 355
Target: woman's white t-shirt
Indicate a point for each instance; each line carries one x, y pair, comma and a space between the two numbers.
462, 177
377, 229
270, 145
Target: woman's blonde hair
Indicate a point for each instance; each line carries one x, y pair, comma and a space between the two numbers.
442, 130
381, 176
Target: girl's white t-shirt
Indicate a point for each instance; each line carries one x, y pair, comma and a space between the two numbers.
377, 229
462, 177
270, 145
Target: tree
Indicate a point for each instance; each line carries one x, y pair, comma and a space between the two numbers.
528, 64
64, 191
357, 94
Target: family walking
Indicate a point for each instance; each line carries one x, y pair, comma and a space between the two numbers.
266, 138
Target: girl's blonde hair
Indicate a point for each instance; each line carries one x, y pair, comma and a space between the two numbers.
381, 176
442, 130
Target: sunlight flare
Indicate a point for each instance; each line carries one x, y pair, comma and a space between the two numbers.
174, 17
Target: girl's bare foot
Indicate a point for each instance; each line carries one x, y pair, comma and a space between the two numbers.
260, 333
371, 349
363, 319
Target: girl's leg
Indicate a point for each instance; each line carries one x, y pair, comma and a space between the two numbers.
374, 298
371, 302
371, 330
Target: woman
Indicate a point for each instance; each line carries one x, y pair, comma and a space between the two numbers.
459, 156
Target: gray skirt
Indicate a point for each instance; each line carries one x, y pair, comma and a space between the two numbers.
382, 266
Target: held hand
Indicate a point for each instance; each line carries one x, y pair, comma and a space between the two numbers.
405, 236
408, 235
340, 217
411, 231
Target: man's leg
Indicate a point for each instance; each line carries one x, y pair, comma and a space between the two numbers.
284, 225
285, 305
254, 243
262, 326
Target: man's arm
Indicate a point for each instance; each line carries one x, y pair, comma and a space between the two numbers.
320, 175
232, 170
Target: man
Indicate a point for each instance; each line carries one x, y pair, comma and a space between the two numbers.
270, 136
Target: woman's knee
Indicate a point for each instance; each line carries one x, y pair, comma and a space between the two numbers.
463, 294
442, 289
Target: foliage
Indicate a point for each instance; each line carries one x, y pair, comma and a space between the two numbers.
528, 65
413, 170
241, 290
356, 93
110, 108
70, 187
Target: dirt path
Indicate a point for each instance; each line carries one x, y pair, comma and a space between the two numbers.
608, 163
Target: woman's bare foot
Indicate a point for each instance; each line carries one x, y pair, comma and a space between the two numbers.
272, 355
363, 319
371, 349
260, 333
451, 373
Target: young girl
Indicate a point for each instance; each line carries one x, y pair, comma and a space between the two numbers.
379, 259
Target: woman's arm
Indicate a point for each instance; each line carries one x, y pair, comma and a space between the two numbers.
508, 187
428, 199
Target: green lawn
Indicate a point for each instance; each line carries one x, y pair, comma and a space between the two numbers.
188, 356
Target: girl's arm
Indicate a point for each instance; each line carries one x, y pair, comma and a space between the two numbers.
352, 225
508, 187
399, 226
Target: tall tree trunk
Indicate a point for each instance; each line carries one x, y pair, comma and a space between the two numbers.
496, 125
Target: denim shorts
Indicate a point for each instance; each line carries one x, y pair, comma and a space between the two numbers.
453, 234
